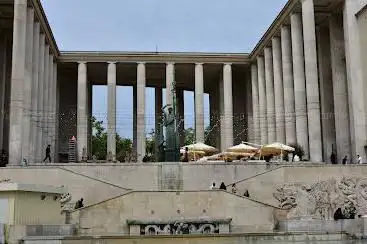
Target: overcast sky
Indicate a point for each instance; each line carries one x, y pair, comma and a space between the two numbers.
170, 25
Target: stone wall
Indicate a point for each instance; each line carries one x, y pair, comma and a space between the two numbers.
77, 185
111, 216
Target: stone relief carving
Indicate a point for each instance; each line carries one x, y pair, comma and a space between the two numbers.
320, 200
65, 201
179, 228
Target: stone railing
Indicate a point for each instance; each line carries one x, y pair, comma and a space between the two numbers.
179, 226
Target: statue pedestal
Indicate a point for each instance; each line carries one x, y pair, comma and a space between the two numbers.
170, 176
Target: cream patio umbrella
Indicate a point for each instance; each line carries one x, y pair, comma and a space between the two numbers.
242, 148
275, 149
199, 146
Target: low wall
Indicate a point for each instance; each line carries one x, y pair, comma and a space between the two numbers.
111, 215
214, 239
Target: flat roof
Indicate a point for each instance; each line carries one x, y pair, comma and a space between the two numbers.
7, 187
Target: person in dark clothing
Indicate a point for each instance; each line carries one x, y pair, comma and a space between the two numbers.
246, 194
345, 159
333, 158
48, 154
338, 214
223, 186
79, 204
186, 155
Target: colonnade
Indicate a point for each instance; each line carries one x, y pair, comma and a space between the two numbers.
139, 107
288, 74
33, 96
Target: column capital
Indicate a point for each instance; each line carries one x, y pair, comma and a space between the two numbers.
82, 62
199, 63
172, 63
111, 62
230, 64
141, 63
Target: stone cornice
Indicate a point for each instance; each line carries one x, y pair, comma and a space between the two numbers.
274, 27
45, 26
153, 57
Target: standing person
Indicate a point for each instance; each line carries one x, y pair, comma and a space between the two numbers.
333, 158
359, 160
234, 189
186, 155
48, 154
345, 160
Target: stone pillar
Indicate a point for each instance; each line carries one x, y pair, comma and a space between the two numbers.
18, 78
135, 123
3, 76
49, 103
140, 112
158, 119
249, 106
255, 104
228, 106
270, 101
340, 87
82, 122
27, 88
262, 100
45, 108
312, 81
170, 78
34, 97
278, 90
354, 79
199, 103
181, 115
299, 83
111, 108
56, 115
326, 92
287, 70
40, 97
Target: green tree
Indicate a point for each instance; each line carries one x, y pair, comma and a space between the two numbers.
189, 136
99, 142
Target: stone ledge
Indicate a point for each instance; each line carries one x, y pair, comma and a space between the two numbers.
172, 221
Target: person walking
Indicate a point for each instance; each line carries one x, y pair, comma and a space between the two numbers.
333, 158
48, 154
345, 160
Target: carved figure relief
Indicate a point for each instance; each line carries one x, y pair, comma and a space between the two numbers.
179, 228
320, 200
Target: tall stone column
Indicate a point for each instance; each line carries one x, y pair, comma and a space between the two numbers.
299, 83
228, 106
39, 113
180, 100
199, 103
250, 135
44, 126
340, 87
170, 78
278, 90
135, 123
262, 100
111, 109
27, 87
3, 76
287, 70
49, 103
56, 115
222, 131
355, 81
141, 137
255, 103
326, 92
158, 119
312, 81
82, 122
34, 97
18, 78
270, 101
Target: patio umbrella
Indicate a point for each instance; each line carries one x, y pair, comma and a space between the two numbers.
242, 148
201, 147
275, 149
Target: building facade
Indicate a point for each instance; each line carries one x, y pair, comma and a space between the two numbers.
303, 83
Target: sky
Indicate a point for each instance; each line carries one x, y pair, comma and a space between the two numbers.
167, 25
